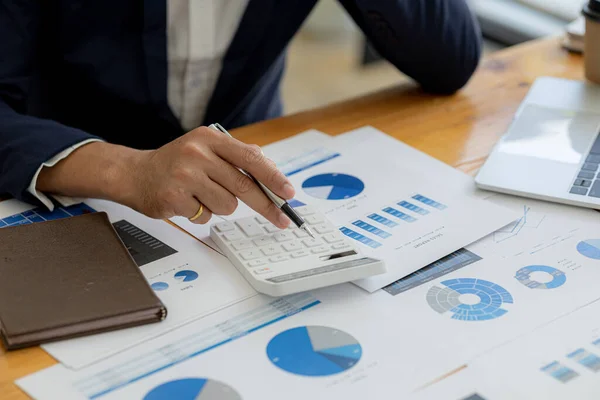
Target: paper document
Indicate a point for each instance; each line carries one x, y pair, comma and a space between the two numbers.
556, 362
189, 278
540, 225
463, 384
298, 347
388, 199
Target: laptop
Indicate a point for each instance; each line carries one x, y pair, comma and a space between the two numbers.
551, 150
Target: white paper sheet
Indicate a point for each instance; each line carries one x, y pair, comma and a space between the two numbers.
559, 361
463, 384
248, 362
541, 224
401, 205
205, 283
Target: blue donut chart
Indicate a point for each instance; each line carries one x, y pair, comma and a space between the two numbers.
491, 296
524, 276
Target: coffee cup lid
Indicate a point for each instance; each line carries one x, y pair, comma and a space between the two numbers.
592, 9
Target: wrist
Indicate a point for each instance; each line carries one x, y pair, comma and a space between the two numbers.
122, 175
96, 170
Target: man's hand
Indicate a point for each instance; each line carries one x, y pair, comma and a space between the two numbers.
199, 167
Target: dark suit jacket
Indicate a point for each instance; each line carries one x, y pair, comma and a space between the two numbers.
71, 70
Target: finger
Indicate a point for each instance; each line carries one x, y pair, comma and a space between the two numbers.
251, 159
204, 218
188, 208
218, 199
246, 190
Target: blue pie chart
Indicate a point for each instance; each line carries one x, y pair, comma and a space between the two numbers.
193, 389
524, 276
158, 286
333, 186
314, 351
589, 248
186, 275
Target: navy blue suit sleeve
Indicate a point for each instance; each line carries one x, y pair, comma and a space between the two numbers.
26, 142
435, 42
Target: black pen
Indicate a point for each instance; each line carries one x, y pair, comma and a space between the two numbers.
278, 201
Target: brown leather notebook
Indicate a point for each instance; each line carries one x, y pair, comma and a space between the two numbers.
67, 278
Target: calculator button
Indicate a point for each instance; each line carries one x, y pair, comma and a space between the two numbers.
320, 249
292, 246
283, 236
257, 263
261, 220
270, 250
304, 211
314, 219
340, 246
323, 228
249, 227
332, 238
261, 241
233, 236
299, 253
271, 228
300, 233
263, 270
225, 226
311, 242
279, 258
250, 254
242, 244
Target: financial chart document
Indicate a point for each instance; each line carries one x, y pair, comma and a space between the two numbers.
397, 211
559, 361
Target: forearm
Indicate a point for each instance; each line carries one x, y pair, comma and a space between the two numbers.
95, 170
436, 42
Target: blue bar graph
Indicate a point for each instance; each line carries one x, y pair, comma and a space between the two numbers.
361, 238
429, 202
382, 220
372, 229
559, 372
399, 214
586, 358
412, 207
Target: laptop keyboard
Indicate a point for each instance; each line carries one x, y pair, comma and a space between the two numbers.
587, 182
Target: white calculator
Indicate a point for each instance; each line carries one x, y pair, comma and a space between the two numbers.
281, 262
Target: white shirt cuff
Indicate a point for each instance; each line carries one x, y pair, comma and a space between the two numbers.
65, 201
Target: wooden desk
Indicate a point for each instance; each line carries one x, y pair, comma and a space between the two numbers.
459, 130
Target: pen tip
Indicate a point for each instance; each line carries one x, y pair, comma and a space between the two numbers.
307, 229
